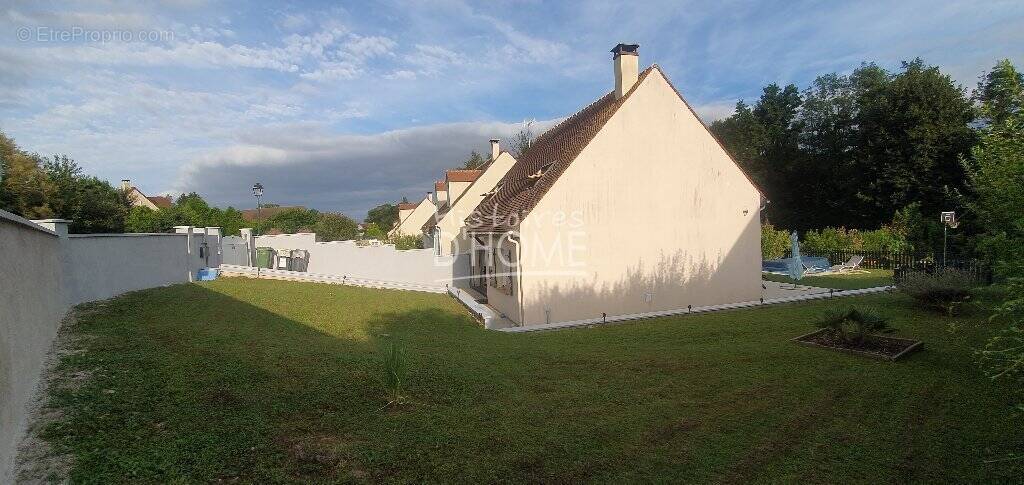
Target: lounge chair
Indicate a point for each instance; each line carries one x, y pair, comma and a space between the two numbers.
853, 265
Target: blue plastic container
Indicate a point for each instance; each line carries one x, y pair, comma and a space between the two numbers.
207, 274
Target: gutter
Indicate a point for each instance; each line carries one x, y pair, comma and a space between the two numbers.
512, 238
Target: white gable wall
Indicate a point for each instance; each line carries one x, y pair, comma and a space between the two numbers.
656, 216
455, 219
412, 225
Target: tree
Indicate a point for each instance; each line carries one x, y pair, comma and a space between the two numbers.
373, 231
291, 221
92, 205
913, 132
474, 161
144, 219
1000, 92
24, 189
521, 142
996, 173
385, 216
744, 137
335, 226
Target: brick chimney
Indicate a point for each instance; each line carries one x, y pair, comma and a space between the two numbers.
627, 67
495, 148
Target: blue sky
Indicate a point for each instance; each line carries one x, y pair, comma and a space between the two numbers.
340, 106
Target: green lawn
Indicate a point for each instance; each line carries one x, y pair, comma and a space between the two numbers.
848, 281
272, 381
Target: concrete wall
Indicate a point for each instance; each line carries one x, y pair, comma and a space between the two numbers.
652, 215
97, 267
383, 263
44, 271
31, 307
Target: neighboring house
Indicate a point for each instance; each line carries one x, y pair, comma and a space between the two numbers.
630, 206
440, 194
458, 180
263, 213
443, 232
412, 223
404, 209
138, 199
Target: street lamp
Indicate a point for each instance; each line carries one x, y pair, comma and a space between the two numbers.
257, 191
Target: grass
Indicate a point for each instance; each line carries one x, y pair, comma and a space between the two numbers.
848, 281
272, 381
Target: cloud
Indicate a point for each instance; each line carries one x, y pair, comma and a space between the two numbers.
303, 164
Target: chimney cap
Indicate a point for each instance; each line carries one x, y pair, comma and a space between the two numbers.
626, 50
495, 140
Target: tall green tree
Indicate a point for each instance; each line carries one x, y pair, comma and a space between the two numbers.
1000, 92
385, 216
25, 188
474, 161
914, 128
335, 226
92, 205
996, 171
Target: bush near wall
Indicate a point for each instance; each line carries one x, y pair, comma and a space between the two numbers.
407, 242
774, 242
884, 239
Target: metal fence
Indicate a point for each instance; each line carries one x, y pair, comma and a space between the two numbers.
904, 262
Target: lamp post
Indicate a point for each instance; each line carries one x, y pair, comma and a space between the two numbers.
257, 191
948, 220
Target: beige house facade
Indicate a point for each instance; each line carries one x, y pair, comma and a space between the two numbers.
630, 206
444, 232
414, 217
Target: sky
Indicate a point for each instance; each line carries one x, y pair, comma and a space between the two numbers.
340, 106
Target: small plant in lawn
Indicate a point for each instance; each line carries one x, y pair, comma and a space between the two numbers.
946, 289
396, 368
852, 325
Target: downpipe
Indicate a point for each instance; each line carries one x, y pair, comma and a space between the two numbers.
514, 239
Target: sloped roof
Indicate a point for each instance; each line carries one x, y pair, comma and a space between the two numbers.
549, 156
161, 201
462, 175
521, 188
439, 186
407, 206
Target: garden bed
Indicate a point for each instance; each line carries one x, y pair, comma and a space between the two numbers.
875, 346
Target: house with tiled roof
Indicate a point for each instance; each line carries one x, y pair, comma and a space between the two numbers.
627, 208
412, 216
443, 232
138, 199
440, 194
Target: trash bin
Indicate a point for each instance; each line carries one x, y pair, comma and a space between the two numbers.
265, 258
300, 259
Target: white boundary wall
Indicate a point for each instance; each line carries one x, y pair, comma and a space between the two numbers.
379, 263
44, 271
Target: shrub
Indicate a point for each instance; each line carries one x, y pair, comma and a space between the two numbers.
852, 325
396, 368
945, 289
1003, 356
407, 242
774, 242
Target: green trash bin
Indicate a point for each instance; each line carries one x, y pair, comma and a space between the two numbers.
265, 258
